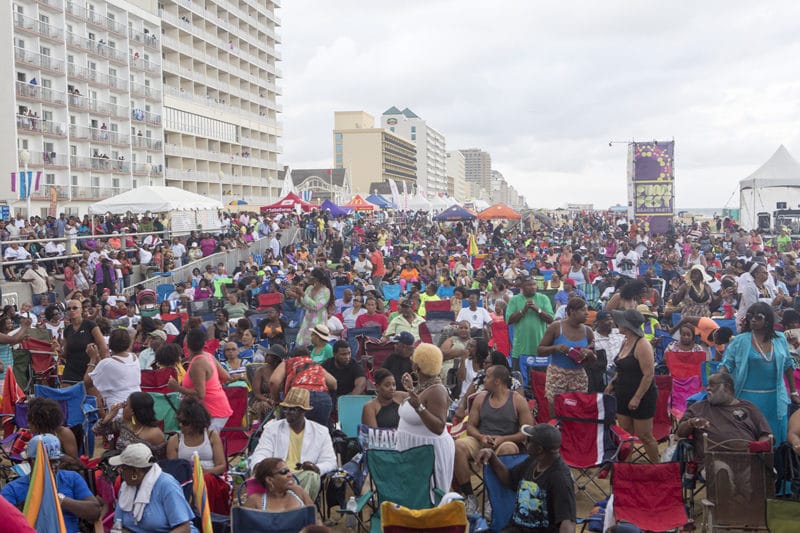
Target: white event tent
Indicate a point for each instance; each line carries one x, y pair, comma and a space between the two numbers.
775, 185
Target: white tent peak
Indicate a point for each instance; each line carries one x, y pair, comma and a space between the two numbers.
780, 170
155, 199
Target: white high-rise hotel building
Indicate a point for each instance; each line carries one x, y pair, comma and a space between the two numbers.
110, 95
431, 152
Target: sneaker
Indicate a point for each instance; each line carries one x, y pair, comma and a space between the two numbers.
471, 504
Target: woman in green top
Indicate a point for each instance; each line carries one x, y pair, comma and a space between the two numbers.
320, 349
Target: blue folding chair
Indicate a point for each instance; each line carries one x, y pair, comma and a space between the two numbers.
164, 290
502, 498
338, 291
256, 521
349, 408
81, 410
352, 339
445, 292
259, 259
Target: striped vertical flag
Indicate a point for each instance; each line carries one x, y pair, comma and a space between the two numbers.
13, 182
201, 496
42, 508
473, 246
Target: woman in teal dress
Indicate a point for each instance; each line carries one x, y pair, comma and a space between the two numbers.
759, 360
315, 301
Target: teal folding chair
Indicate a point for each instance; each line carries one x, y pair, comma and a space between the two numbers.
349, 408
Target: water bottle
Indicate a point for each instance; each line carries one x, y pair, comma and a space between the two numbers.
117, 526
351, 513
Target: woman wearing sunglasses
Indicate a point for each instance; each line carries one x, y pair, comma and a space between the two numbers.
281, 491
79, 333
758, 359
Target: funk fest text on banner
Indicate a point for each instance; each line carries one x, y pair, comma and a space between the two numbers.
653, 185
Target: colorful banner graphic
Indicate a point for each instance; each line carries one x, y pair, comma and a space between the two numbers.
651, 185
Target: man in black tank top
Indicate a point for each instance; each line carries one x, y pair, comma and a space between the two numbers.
495, 418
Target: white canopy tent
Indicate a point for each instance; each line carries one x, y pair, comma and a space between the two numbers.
440, 202
775, 185
480, 205
187, 210
419, 203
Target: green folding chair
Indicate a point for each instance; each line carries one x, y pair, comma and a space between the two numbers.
782, 515
166, 408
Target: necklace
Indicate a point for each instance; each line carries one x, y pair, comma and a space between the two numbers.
766, 356
428, 383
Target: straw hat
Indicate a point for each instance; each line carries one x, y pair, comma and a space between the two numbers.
297, 397
321, 331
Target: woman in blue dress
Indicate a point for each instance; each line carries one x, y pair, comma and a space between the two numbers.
759, 360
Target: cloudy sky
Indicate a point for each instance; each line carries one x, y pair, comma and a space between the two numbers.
545, 87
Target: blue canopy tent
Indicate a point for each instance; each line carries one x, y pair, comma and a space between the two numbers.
380, 201
334, 209
454, 213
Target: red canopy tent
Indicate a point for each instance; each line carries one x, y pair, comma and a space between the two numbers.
287, 205
499, 211
359, 204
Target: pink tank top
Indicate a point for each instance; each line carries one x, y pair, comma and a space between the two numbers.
215, 401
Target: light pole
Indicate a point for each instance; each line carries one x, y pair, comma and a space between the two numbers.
25, 155
149, 168
220, 175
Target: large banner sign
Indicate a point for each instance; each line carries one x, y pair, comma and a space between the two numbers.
651, 183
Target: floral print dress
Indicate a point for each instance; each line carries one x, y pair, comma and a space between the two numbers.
316, 307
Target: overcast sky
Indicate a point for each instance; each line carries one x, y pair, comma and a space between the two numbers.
545, 87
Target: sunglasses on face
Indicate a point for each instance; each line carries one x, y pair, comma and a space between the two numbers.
756, 316
73, 308
280, 472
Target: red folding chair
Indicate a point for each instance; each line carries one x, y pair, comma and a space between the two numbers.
376, 351
156, 380
44, 362
649, 496
588, 443
425, 333
662, 420
538, 379
234, 435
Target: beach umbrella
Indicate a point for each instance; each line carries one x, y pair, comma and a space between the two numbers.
201, 496
42, 507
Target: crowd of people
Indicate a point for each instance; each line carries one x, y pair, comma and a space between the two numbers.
470, 309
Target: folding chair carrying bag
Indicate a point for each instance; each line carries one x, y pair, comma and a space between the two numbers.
245, 520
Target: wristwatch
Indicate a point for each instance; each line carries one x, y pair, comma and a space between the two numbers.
61, 497
421, 408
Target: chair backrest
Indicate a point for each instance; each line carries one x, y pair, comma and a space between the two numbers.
377, 438
73, 397
782, 515
166, 408
424, 333
233, 435
586, 420
181, 470
156, 380
662, 423
378, 351
708, 368
437, 305
448, 518
352, 338
649, 496
396, 482
164, 290
338, 291
445, 292
502, 498
349, 408
685, 364
538, 380
244, 520
268, 299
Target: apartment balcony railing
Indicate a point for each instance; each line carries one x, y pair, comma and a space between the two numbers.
39, 93
38, 60
55, 5
140, 89
139, 115
45, 159
62, 191
37, 27
147, 39
147, 65
147, 143
38, 125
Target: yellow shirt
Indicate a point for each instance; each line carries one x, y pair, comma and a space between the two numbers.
424, 297
295, 449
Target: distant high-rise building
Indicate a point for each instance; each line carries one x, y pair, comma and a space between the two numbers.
370, 154
478, 166
430, 144
456, 174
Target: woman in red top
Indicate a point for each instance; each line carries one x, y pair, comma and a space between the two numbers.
204, 380
372, 317
302, 372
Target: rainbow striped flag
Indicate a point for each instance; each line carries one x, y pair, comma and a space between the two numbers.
201, 496
42, 508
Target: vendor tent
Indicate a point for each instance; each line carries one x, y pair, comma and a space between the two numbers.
380, 201
154, 199
439, 202
775, 185
287, 205
419, 203
499, 211
453, 214
359, 204
333, 209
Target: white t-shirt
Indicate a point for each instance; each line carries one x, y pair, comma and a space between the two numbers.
116, 378
477, 318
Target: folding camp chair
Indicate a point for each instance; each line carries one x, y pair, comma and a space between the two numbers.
538, 380
352, 338
394, 481
445, 293
166, 409
439, 310
156, 380
648, 496
739, 479
376, 351
448, 518
234, 434
43, 368
502, 498
81, 412
244, 520
588, 443
338, 291
391, 292
164, 290
349, 408
685, 369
